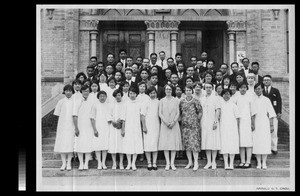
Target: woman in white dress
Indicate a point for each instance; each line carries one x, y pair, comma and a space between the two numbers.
115, 136
94, 91
251, 83
244, 102
229, 126
170, 136
198, 91
83, 128
210, 135
150, 122
64, 141
101, 118
132, 141
235, 93
110, 90
262, 122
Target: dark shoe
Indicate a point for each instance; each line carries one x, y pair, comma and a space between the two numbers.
247, 165
241, 165
154, 168
149, 168
274, 152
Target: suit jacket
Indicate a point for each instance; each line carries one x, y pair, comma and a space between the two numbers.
160, 92
275, 99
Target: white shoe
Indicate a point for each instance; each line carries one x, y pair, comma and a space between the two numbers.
258, 166
167, 167
133, 167
80, 167
196, 166
207, 166
173, 167
114, 167
99, 166
69, 167
128, 167
85, 167
121, 166
188, 166
213, 166
63, 167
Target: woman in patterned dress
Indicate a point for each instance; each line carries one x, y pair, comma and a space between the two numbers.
191, 113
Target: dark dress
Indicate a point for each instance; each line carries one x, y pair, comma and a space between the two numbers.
190, 124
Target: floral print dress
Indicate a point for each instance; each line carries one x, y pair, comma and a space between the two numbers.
190, 124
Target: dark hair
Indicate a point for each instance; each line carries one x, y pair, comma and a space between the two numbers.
188, 78
226, 76
76, 81
93, 57
95, 82
224, 64
122, 50
133, 89
151, 89
162, 52
211, 61
208, 72
267, 76
129, 57
193, 57
225, 91
198, 83
87, 80
218, 86
233, 64
178, 54
155, 66
144, 69
117, 91
109, 65
241, 84
123, 83
153, 54
68, 87
255, 63
81, 74
181, 88
101, 92
119, 62
110, 54
127, 68
190, 87
259, 84
139, 57
233, 83
245, 59
218, 71
84, 87
90, 66
210, 83
100, 62
240, 73
153, 74
141, 83
170, 58
110, 79
190, 66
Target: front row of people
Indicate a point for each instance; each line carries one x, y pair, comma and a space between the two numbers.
212, 123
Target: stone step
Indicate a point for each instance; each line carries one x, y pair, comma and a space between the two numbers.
161, 172
48, 148
271, 163
49, 155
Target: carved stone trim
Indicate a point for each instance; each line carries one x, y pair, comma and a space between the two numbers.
162, 25
88, 25
236, 25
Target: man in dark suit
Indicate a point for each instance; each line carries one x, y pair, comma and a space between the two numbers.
171, 65
154, 83
190, 72
111, 60
122, 56
180, 73
254, 69
234, 68
274, 95
128, 78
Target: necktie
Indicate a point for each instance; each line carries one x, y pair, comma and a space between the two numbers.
162, 64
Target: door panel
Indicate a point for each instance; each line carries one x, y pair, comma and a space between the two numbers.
191, 45
213, 45
132, 41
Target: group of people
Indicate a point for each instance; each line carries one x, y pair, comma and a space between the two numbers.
164, 105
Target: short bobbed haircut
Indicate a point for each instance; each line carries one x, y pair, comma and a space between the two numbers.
68, 87
225, 91
101, 93
117, 91
259, 84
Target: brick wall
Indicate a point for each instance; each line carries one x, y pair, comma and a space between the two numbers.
52, 43
84, 50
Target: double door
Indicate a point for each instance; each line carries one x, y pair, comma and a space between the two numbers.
194, 42
132, 41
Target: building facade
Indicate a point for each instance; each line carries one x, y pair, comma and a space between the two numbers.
69, 37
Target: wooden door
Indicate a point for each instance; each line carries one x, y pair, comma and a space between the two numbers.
191, 45
213, 45
132, 41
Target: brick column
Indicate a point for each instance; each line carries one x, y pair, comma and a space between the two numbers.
88, 33
173, 43
233, 27
93, 37
151, 40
